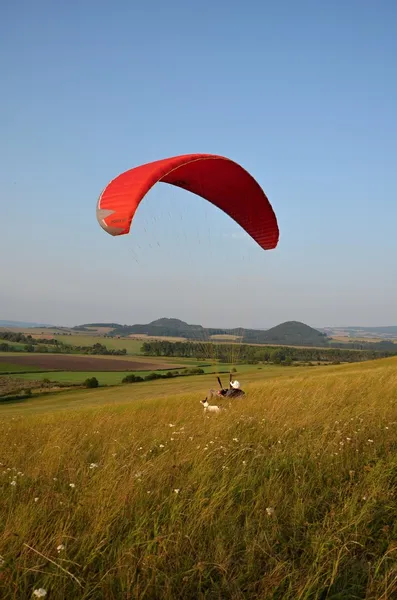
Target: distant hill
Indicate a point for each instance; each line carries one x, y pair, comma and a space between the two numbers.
25, 324
112, 325
90, 327
385, 332
291, 333
177, 323
163, 327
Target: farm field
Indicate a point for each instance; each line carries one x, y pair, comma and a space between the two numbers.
75, 362
18, 345
132, 346
134, 492
6, 367
115, 377
348, 340
134, 343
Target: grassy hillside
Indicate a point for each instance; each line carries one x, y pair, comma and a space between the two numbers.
135, 493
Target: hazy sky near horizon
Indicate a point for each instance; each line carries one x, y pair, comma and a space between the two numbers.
303, 95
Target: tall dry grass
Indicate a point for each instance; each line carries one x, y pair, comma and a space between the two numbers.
289, 495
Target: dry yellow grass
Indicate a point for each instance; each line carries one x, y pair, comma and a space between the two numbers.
289, 495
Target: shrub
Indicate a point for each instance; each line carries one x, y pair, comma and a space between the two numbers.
91, 382
132, 378
152, 376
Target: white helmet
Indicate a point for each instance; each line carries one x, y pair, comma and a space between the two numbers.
235, 385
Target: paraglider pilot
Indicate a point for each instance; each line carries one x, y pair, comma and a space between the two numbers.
234, 390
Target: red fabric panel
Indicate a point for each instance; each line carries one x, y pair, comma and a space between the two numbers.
217, 179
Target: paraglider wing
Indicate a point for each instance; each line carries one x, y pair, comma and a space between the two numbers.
215, 178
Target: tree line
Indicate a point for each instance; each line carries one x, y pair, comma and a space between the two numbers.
257, 354
52, 345
132, 378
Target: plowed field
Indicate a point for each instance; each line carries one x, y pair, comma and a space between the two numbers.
67, 362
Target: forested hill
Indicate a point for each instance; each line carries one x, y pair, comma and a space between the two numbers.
165, 328
291, 333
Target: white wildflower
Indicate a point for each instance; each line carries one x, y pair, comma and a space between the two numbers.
171, 425
13, 482
176, 490
235, 439
270, 511
72, 485
60, 548
40, 593
93, 465
36, 499
161, 446
370, 441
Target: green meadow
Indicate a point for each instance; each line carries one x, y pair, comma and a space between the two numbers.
135, 492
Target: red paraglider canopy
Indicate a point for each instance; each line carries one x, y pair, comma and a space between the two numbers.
215, 178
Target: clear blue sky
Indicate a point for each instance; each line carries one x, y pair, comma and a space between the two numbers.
302, 94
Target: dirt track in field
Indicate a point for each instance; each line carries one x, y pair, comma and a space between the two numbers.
62, 362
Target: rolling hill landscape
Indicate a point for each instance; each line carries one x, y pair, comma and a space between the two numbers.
216, 163
289, 333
